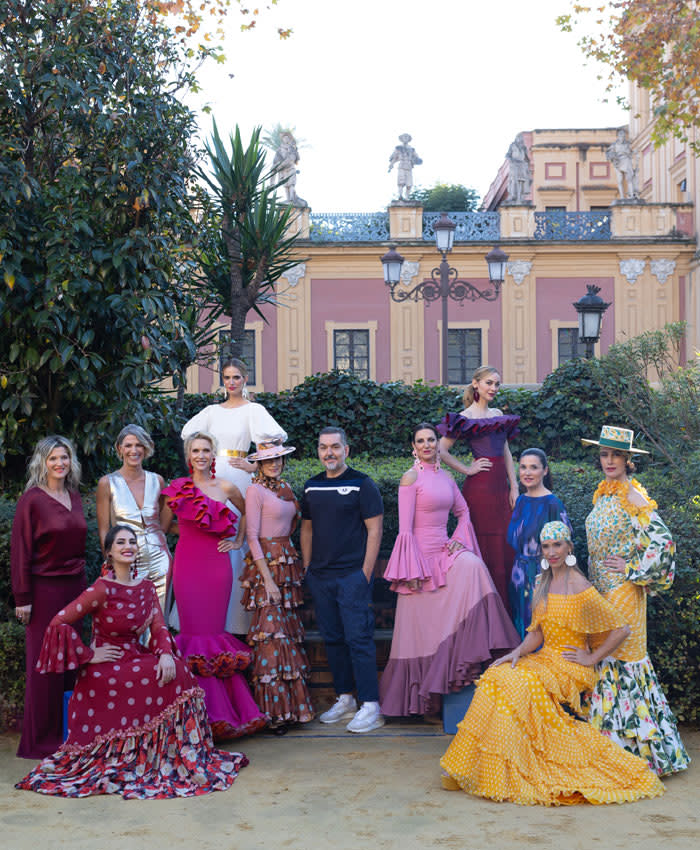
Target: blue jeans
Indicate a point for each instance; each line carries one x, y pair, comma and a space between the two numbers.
345, 618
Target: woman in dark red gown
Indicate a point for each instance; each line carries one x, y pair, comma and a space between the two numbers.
137, 725
490, 487
47, 556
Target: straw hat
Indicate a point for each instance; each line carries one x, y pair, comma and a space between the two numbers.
616, 438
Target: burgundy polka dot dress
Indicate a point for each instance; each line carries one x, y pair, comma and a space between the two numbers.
127, 733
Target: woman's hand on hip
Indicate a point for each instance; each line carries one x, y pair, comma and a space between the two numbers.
227, 544
23, 614
481, 464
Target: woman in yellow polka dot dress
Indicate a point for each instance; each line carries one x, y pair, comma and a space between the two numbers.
516, 741
630, 556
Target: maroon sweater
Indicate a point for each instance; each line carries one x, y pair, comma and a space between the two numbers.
48, 540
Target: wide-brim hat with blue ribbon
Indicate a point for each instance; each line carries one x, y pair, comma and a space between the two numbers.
616, 438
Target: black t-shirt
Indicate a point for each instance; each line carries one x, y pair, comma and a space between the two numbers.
337, 508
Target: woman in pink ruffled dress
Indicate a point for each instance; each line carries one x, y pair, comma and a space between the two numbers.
450, 621
202, 580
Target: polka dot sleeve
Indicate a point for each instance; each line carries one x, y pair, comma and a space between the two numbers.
62, 649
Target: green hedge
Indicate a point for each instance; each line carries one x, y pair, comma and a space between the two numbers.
674, 618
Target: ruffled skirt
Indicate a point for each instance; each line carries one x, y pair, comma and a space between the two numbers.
629, 707
280, 667
444, 638
171, 756
517, 743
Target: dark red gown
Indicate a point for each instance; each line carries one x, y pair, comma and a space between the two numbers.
127, 734
487, 493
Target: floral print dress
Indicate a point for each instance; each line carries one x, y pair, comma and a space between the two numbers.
627, 703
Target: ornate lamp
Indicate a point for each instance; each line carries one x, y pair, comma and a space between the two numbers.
590, 309
497, 260
444, 234
393, 263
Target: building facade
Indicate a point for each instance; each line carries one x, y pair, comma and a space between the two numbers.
336, 312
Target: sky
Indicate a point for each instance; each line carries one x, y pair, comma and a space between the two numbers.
463, 77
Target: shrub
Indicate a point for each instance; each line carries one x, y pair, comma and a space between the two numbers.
11, 674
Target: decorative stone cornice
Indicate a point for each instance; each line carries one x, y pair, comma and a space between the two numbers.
295, 274
519, 270
662, 269
408, 272
631, 269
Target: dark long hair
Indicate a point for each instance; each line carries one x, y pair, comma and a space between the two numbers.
542, 457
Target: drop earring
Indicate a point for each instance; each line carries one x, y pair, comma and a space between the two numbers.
544, 563
476, 395
570, 560
212, 468
190, 467
416, 461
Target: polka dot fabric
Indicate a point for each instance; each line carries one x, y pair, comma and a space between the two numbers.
127, 734
518, 743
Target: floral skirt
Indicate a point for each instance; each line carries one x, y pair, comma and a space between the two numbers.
173, 756
280, 667
628, 706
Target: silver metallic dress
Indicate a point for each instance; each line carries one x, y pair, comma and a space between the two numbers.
154, 555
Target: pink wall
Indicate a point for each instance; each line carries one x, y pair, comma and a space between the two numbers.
467, 311
347, 301
554, 297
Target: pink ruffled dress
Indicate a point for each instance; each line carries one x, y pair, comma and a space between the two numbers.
128, 734
202, 580
454, 624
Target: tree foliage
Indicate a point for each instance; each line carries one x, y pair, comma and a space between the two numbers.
655, 43
94, 214
446, 197
245, 230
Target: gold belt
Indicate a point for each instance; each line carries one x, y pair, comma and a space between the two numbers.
231, 453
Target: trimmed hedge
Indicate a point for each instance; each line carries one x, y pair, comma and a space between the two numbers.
674, 618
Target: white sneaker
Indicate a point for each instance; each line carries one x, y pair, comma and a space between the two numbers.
345, 706
367, 718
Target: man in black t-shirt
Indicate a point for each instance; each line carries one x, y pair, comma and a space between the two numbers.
341, 529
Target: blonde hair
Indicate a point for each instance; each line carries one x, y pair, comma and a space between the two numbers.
141, 435
481, 372
544, 579
199, 435
37, 474
237, 364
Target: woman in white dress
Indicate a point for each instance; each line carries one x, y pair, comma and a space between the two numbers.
235, 423
131, 496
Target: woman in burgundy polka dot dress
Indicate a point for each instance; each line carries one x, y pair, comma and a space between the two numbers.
137, 725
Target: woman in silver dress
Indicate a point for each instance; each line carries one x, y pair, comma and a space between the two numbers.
131, 496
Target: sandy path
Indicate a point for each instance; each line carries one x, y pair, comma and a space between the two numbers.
326, 789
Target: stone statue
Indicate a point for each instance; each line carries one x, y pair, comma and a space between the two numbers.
406, 157
285, 163
519, 179
624, 162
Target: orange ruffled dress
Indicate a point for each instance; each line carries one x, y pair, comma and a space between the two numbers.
516, 741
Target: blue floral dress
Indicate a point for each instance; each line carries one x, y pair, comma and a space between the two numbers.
529, 515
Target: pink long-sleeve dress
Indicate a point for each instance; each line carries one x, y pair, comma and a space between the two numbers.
454, 623
280, 666
202, 579
128, 734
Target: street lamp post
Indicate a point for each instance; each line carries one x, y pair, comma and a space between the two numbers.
444, 282
590, 309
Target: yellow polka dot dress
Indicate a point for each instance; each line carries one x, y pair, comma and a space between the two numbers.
516, 741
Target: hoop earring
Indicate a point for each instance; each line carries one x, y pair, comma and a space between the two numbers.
212, 468
570, 560
476, 395
544, 564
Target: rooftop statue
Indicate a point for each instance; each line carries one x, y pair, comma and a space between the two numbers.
624, 161
519, 178
406, 157
285, 162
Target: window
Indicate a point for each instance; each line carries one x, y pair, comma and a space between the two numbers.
463, 354
248, 352
568, 345
555, 209
351, 352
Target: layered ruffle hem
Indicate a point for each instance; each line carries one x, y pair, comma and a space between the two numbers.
517, 743
170, 756
280, 666
629, 707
